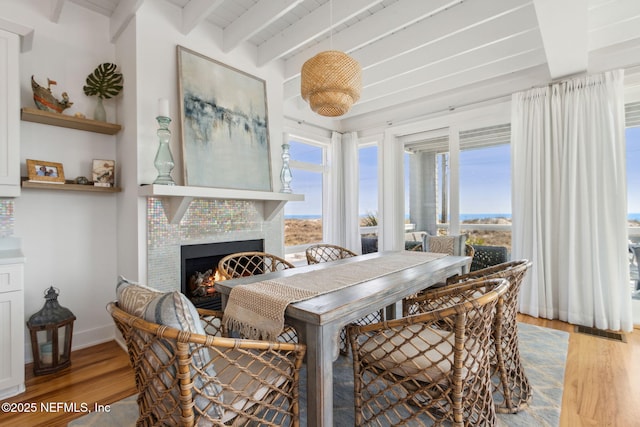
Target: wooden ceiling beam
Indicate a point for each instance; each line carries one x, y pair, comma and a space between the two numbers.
387, 21
564, 29
472, 18
254, 20
56, 10
310, 27
428, 88
196, 11
122, 15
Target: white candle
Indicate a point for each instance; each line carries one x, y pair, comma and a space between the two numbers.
163, 107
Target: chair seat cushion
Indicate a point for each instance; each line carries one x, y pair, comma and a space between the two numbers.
425, 354
246, 383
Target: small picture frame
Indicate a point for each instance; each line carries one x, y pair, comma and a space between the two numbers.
43, 171
104, 172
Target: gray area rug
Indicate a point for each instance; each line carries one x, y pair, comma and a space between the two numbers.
544, 354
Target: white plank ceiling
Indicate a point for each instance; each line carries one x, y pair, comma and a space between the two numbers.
417, 56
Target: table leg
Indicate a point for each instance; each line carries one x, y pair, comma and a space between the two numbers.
320, 349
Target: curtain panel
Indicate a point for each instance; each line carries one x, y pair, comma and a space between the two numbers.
351, 183
344, 226
569, 201
334, 220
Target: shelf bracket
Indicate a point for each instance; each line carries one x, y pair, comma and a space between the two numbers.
175, 207
271, 208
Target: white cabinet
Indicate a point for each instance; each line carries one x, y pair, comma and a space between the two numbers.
12, 328
9, 115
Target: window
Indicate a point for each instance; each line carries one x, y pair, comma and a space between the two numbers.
633, 205
368, 196
303, 221
483, 192
485, 195
368, 185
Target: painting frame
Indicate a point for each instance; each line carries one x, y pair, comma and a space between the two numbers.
225, 127
45, 171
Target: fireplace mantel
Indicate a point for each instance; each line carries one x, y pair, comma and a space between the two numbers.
176, 198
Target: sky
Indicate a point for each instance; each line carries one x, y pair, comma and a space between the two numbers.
485, 179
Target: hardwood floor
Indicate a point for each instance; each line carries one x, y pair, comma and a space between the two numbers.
602, 378
99, 374
601, 384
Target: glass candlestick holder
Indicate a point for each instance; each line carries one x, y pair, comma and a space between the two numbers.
285, 173
164, 159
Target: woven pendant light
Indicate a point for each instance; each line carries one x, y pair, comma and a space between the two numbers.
331, 83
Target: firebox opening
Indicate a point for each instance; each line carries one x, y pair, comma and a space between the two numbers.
199, 265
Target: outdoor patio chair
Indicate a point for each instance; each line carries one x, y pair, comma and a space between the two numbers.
431, 367
324, 252
487, 256
635, 250
512, 391
242, 264
187, 378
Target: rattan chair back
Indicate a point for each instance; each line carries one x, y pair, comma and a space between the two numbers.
512, 391
259, 380
431, 368
324, 252
243, 264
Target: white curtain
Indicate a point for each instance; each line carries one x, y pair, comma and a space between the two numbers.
569, 201
335, 233
351, 183
343, 226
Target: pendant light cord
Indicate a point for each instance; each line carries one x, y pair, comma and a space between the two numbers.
331, 24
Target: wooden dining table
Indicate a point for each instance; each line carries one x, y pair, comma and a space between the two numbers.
318, 320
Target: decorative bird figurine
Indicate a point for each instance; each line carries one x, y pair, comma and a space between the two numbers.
45, 100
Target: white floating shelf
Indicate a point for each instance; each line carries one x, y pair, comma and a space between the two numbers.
176, 198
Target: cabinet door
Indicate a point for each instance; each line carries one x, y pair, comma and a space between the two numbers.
9, 115
11, 342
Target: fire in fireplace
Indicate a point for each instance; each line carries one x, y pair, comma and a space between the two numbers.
199, 264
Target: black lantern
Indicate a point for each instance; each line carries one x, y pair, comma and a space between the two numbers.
51, 329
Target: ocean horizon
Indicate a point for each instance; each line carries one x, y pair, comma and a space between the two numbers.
463, 217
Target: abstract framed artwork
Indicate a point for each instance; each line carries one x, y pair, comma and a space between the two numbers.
225, 134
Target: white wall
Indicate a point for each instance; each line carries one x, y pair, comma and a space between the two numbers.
68, 237
80, 242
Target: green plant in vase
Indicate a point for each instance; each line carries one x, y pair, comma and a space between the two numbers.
105, 83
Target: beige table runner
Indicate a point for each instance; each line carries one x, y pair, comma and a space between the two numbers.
256, 310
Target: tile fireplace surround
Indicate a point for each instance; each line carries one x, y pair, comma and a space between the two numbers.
206, 221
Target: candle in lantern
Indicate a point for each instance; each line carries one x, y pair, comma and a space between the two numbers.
163, 107
46, 353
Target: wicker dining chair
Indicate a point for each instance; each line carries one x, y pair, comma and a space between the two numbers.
325, 252
512, 391
453, 244
242, 264
188, 379
430, 368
